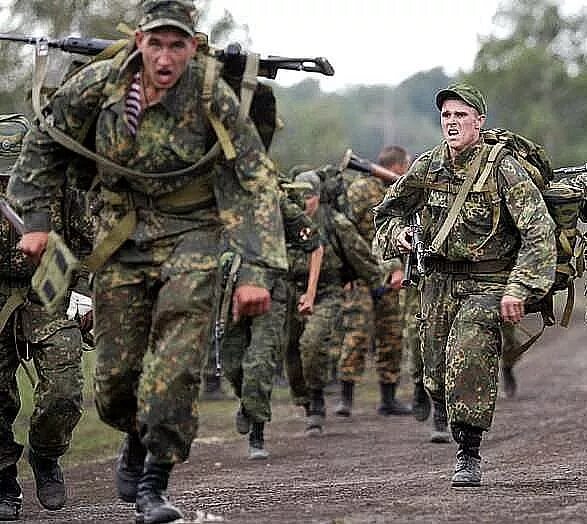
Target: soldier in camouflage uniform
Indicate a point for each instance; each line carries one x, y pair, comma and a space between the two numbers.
373, 315
53, 344
484, 266
252, 346
160, 215
309, 338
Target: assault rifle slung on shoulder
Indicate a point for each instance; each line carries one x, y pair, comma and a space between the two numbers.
233, 57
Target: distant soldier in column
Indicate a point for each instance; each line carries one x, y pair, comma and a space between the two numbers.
309, 338
252, 346
373, 315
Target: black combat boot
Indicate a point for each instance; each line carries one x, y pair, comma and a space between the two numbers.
49, 481
345, 406
440, 434
389, 404
508, 382
10, 494
257, 449
421, 404
129, 467
316, 414
152, 507
468, 463
242, 421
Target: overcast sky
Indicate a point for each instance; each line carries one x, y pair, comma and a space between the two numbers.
369, 41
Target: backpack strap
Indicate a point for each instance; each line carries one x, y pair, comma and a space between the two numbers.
210, 78
248, 84
457, 204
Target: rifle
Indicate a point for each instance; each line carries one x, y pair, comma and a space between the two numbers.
352, 161
417, 255
227, 276
562, 172
232, 57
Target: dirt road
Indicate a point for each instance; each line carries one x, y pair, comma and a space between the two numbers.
382, 470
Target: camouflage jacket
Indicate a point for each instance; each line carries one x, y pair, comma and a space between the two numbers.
173, 134
344, 250
363, 194
523, 232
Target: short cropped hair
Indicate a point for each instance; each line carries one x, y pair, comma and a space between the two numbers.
391, 155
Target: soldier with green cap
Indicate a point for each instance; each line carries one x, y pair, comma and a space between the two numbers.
490, 251
181, 176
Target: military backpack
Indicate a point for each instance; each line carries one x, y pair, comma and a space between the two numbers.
564, 204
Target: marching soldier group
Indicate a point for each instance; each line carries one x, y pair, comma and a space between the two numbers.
163, 212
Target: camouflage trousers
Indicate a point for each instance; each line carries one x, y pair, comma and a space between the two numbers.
308, 342
250, 351
151, 336
368, 322
461, 332
410, 303
55, 350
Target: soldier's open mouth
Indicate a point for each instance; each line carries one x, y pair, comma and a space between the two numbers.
453, 132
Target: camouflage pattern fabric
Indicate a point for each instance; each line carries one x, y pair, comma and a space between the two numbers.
461, 327
366, 322
250, 351
148, 367
251, 348
154, 294
310, 339
307, 358
54, 345
462, 343
411, 332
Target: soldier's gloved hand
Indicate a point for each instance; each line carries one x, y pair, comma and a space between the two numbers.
250, 301
403, 241
33, 245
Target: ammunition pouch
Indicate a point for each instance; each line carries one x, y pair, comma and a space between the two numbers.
53, 277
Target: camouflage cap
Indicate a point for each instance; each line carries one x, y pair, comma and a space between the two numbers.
465, 92
311, 178
180, 14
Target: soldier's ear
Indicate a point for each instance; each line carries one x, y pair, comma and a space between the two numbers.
480, 122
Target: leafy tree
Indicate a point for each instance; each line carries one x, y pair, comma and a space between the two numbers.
535, 76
